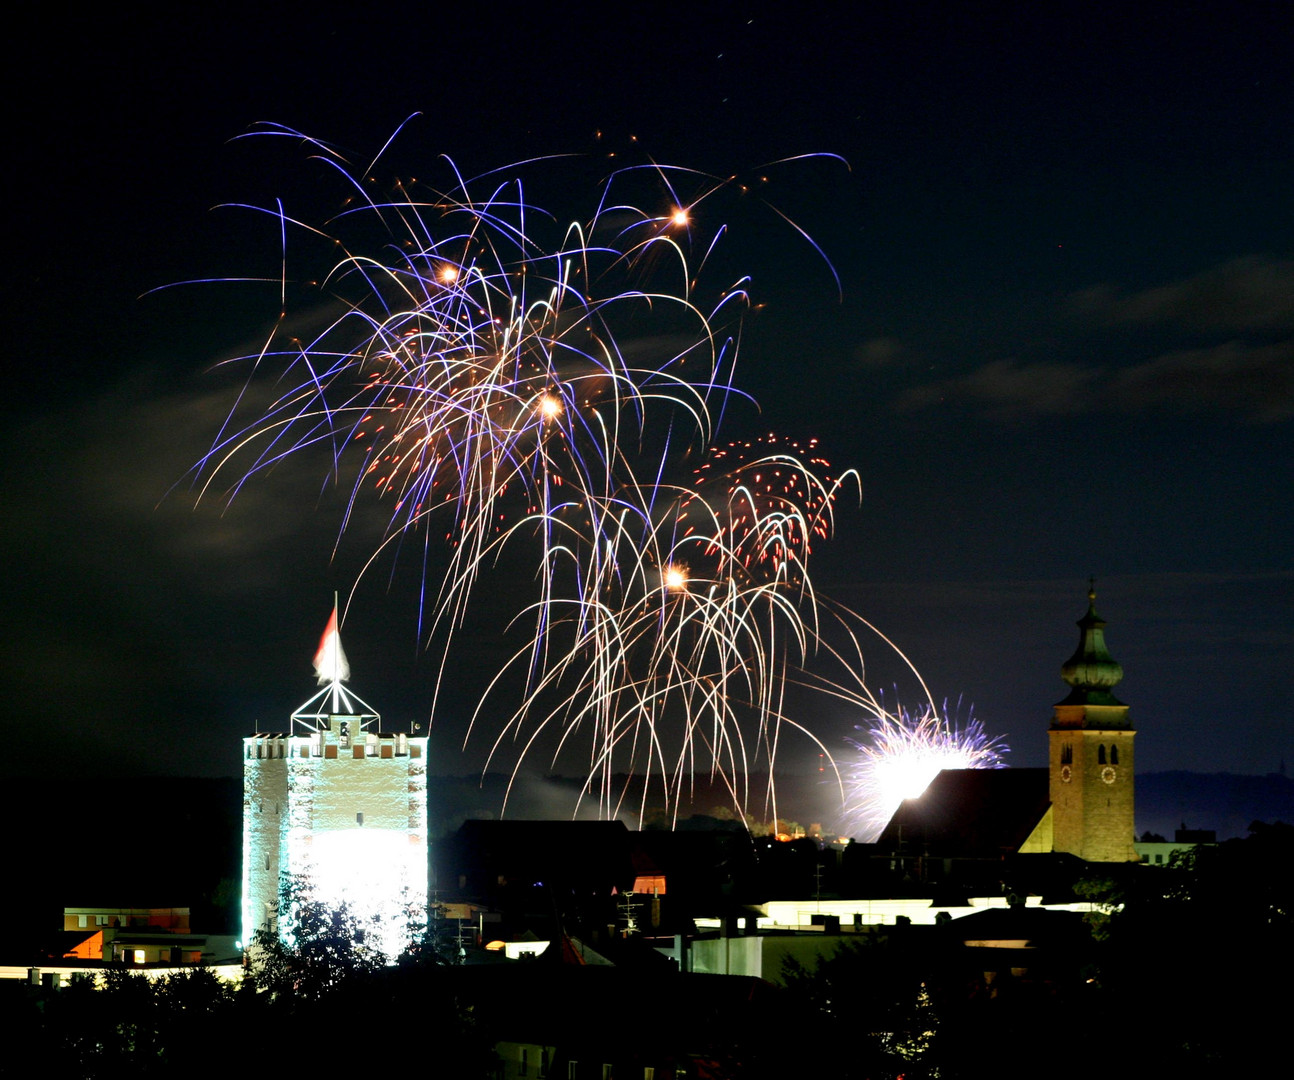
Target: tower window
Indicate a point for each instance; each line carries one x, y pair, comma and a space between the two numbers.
1067, 754
359, 819
1114, 754
1100, 754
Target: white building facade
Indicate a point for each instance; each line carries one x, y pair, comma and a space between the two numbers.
339, 808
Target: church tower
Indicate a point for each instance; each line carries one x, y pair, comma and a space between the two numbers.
1091, 753
340, 808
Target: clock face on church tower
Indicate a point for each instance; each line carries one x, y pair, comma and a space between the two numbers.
1091, 774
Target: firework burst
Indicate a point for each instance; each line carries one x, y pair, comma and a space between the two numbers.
477, 380
902, 751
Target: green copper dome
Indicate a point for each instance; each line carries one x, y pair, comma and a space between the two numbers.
1091, 671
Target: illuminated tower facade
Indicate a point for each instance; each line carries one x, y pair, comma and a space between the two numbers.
340, 807
1091, 763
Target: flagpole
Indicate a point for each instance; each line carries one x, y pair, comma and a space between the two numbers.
336, 654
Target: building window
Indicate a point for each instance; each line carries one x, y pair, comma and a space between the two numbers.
1114, 754
524, 1065
572, 1070
1067, 754
1100, 754
359, 819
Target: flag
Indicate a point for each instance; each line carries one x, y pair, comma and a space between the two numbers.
330, 660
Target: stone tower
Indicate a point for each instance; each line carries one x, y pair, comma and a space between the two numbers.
340, 808
1091, 763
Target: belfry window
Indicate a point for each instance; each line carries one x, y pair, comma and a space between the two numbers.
1114, 754
1100, 754
1067, 754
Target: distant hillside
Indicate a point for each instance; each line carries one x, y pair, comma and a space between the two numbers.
1223, 802
1220, 801
451, 800
122, 842
160, 841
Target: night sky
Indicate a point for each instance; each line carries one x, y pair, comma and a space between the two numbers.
1063, 344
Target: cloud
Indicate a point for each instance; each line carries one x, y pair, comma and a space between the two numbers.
1254, 382
1224, 347
1007, 389
1254, 294
878, 352
106, 495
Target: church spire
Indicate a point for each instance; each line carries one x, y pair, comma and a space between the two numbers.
1091, 672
